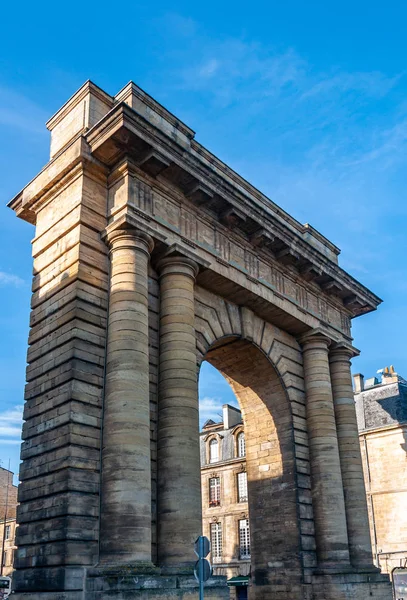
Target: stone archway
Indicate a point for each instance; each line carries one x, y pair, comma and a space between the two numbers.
276, 551
263, 366
149, 253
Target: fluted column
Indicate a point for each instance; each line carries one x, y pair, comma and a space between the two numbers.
179, 485
326, 479
351, 462
125, 535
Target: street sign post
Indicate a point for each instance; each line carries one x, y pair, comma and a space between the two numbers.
203, 569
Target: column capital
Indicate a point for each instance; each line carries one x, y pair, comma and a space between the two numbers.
342, 351
128, 237
315, 338
177, 259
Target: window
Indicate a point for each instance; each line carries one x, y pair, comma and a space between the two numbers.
216, 542
244, 538
213, 451
214, 491
7, 532
242, 487
241, 445
4, 558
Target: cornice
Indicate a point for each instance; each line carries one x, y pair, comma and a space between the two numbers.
131, 89
130, 222
253, 192
75, 99
53, 175
338, 349
243, 200
149, 139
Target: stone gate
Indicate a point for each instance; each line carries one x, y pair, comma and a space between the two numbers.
150, 255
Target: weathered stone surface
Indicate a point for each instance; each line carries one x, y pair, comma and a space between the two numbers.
116, 337
382, 421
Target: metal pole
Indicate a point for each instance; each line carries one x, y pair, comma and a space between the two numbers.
201, 583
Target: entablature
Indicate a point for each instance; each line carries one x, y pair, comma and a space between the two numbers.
155, 171
124, 133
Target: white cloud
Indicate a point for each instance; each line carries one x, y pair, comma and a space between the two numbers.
11, 422
234, 71
386, 146
210, 407
209, 68
370, 84
10, 279
322, 114
4, 441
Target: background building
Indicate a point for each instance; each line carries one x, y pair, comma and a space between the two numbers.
382, 421
8, 507
225, 509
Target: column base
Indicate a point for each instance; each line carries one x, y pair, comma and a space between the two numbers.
108, 566
120, 584
333, 569
351, 586
338, 569
178, 569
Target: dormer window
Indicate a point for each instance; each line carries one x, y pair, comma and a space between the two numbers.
241, 445
213, 450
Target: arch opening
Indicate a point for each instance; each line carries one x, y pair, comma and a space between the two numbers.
269, 465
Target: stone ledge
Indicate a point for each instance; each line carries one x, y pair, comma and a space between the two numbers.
352, 586
153, 586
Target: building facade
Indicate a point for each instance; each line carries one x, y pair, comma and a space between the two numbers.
225, 509
8, 545
8, 508
381, 407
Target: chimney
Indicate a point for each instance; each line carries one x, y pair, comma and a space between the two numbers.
359, 383
231, 416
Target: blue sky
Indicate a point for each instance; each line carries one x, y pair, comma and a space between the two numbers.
306, 100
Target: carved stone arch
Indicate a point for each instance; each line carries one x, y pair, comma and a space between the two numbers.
225, 335
216, 320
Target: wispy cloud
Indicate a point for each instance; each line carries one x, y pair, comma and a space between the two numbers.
10, 279
210, 408
387, 147
234, 71
333, 119
16, 110
12, 442
11, 422
371, 84
209, 68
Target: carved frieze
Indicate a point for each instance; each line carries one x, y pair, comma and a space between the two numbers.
189, 225
167, 212
205, 234
229, 247
222, 246
237, 255
301, 296
252, 264
140, 195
